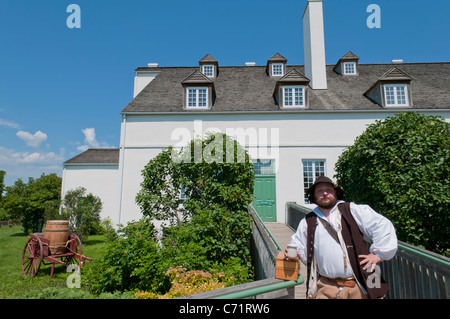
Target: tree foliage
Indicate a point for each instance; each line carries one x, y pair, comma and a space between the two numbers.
212, 171
82, 211
2, 183
28, 202
401, 167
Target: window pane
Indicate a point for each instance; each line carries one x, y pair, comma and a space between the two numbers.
349, 68
264, 167
288, 96
277, 69
299, 96
401, 96
208, 70
197, 97
293, 96
201, 97
311, 170
192, 97
390, 95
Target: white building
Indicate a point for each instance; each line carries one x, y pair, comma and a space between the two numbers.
295, 120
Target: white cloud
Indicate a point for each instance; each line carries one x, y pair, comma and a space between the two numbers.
29, 164
34, 140
9, 124
90, 140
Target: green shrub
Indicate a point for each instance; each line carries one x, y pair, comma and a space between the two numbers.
82, 211
401, 167
131, 261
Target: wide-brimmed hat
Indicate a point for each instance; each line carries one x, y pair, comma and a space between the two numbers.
323, 179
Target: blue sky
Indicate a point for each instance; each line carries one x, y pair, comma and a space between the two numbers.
62, 89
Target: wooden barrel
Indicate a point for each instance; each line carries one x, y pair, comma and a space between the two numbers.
57, 232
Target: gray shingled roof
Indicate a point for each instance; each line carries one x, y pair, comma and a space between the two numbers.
243, 88
96, 156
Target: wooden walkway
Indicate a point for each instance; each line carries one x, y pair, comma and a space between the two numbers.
282, 234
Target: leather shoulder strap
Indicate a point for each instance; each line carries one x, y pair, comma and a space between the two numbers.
311, 222
330, 230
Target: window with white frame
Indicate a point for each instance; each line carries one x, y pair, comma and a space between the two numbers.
264, 167
396, 94
277, 69
294, 96
197, 97
311, 170
208, 70
349, 68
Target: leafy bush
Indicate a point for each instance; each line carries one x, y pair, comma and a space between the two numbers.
82, 211
401, 167
131, 261
224, 234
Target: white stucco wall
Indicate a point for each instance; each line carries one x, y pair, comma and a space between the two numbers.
308, 135
294, 137
100, 180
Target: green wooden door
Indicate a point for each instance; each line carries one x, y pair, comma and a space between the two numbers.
265, 197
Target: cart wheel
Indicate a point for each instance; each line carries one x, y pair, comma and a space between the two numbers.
74, 247
32, 256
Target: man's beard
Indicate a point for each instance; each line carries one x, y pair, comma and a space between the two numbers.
326, 205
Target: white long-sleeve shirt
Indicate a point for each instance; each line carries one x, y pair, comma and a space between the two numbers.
329, 254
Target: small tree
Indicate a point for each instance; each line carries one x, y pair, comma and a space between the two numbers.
401, 167
159, 197
222, 176
212, 171
27, 203
82, 211
217, 176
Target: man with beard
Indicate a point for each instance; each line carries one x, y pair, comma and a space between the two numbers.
330, 242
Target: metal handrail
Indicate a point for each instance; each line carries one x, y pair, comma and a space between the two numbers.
262, 290
428, 255
265, 227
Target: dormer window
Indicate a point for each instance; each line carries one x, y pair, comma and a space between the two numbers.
392, 89
276, 65
199, 92
347, 65
197, 97
208, 70
396, 94
277, 69
291, 90
294, 96
209, 66
349, 68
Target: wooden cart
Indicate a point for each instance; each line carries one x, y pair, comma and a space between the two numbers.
37, 251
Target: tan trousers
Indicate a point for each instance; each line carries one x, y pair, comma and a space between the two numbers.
329, 290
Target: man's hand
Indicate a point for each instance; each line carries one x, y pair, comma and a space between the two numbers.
371, 260
286, 255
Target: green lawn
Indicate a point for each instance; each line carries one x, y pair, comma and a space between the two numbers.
14, 285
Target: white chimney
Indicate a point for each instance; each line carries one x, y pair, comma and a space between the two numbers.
314, 45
